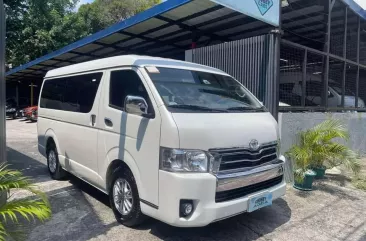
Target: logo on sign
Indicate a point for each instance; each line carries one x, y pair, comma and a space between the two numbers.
264, 5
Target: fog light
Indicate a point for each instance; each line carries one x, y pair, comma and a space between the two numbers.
186, 208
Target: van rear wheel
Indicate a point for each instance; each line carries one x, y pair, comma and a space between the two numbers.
124, 198
53, 164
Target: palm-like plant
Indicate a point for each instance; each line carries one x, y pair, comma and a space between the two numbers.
316, 147
13, 209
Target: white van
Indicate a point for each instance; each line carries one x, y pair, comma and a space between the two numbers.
180, 142
289, 82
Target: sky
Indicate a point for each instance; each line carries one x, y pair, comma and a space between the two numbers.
362, 3
81, 2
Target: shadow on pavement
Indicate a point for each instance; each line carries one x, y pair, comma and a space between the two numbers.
336, 191
29, 166
79, 211
75, 215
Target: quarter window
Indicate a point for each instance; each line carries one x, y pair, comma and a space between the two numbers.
75, 93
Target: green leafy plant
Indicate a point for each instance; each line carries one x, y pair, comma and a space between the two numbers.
316, 148
359, 182
13, 210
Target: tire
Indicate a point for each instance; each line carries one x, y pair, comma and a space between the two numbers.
134, 216
14, 116
53, 164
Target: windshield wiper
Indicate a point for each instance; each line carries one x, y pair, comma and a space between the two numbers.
197, 107
248, 109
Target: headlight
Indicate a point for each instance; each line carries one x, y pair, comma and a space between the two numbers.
177, 160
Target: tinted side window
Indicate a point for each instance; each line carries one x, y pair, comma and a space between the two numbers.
53, 94
76, 93
123, 83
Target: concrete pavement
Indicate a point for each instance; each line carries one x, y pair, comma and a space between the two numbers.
334, 211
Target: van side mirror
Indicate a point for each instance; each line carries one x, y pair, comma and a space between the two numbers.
136, 105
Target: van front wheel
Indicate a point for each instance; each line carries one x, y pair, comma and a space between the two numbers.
124, 199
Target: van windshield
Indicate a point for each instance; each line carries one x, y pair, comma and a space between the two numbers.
338, 89
195, 91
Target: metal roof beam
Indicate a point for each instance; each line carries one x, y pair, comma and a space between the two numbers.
303, 4
193, 29
228, 25
209, 10
162, 43
335, 28
61, 60
114, 46
152, 30
206, 11
89, 54
42, 70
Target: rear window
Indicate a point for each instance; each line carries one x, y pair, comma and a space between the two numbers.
75, 93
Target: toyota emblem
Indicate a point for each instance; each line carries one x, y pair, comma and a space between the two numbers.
254, 145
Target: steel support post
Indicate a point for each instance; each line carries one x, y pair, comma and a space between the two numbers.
358, 61
272, 95
344, 76
329, 6
304, 74
2, 85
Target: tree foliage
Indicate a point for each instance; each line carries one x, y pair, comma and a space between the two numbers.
38, 27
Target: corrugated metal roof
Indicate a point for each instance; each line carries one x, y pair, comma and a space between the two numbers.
168, 29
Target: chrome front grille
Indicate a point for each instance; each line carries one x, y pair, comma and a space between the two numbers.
239, 158
228, 195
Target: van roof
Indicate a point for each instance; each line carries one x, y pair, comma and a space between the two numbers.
128, 60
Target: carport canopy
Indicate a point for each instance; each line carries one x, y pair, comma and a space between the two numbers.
170, 28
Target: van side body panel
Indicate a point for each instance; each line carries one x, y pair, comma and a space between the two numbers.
75, 138
132, 139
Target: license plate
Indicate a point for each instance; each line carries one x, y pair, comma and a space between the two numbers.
261, 201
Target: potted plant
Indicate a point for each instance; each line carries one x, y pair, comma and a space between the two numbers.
326, 152
10, 211
303, 175
316, 150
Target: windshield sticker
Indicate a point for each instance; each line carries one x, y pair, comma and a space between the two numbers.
206, 82
188, 80
152, 69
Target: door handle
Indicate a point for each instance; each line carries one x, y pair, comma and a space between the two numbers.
93, 119
108, 122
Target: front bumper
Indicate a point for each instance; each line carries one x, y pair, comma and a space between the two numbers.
202, 189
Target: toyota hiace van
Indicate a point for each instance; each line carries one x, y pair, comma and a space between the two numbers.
183, 143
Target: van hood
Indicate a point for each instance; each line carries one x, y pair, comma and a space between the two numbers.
224, 130
349, 101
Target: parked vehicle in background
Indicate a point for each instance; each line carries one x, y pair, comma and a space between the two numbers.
11, 108
30, 113
291, 99
183, 143
314, 87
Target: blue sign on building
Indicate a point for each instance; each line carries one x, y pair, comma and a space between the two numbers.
265, 10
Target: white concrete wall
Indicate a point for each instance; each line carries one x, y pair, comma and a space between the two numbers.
291, 123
